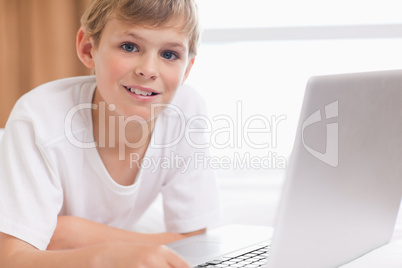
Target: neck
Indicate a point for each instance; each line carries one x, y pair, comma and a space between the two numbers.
115, 132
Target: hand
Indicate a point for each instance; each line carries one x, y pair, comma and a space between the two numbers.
16, 253
122, 254
73, 233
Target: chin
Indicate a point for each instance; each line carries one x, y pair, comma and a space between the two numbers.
139, 116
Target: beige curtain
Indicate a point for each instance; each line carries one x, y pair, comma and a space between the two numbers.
37, 45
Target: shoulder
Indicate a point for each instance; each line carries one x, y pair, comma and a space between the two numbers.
187, 107
47, 106
183, 123
189, 101
63, 89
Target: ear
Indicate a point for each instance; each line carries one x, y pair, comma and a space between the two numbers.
84, 46
188, 69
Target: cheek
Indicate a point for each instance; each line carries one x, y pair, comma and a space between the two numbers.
113, 67
174, 76
110, 65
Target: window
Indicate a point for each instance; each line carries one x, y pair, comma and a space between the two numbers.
255, 59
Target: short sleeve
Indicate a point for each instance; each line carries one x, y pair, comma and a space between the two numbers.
190, 195
191, 200
31, 196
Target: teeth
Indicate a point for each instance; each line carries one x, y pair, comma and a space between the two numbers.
140, 92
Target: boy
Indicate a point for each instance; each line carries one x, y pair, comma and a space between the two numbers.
72, 160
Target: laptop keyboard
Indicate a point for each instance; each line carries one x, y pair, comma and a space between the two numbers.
253, 257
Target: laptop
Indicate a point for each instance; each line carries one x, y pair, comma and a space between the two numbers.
343, 185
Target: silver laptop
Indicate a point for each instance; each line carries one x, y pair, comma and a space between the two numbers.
343, 185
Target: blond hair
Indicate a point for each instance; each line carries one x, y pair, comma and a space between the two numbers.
147, 13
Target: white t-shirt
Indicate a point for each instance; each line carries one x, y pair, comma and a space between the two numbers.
49, 166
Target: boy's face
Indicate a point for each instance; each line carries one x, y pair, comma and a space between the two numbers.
136, 67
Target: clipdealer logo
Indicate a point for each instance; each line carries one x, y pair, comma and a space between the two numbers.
330, 156
246, 138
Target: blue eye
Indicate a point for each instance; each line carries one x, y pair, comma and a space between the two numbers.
128, 47
169, 55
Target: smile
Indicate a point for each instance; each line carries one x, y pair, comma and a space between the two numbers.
140, 92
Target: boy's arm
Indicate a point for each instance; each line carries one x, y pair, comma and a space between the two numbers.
74, 232
15, 253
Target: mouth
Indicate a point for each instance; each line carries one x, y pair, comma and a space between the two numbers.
141, 91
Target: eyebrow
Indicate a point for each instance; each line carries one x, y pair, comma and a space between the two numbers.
133, 35
170, 44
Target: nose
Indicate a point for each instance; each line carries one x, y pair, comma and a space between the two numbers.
147, 67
